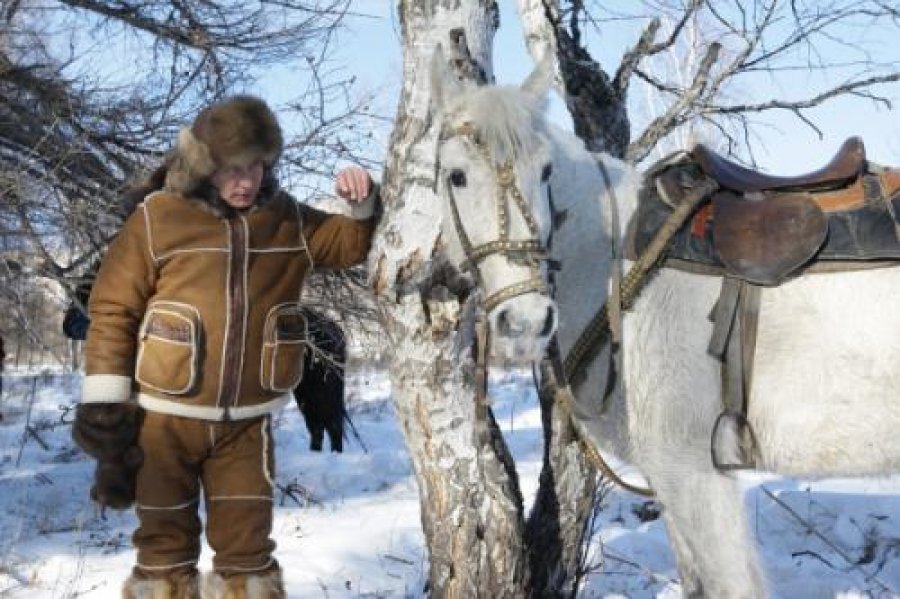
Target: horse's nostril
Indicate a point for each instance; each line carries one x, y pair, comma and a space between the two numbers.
548, 322
503, 325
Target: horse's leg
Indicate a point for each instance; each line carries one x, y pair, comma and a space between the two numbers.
315, 422
673, 395
316, 439
705, 517
334, 422
691, 583
311, 414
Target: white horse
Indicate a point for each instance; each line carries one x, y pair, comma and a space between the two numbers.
826, 383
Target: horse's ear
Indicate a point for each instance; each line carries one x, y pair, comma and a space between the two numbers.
443, 83
538, 83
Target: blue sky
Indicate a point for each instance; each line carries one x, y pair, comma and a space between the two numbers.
372, 49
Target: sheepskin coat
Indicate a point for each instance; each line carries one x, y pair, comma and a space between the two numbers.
197, 310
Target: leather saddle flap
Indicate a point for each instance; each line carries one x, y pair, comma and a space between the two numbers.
764, 240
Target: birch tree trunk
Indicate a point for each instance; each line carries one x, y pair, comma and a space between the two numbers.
470, 499
472, 508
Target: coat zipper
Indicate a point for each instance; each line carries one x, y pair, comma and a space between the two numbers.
231, 363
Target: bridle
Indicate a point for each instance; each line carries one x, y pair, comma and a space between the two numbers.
530, 252
527, 252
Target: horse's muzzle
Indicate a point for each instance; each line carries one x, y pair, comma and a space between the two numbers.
522, 327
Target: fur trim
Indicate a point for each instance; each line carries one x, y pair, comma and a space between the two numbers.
181, 586
138, 190
267, 585
239, 130
191, 165
115, 479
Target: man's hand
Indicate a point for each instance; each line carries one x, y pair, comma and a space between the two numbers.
109, 432
353, 184
106, 430
115, 479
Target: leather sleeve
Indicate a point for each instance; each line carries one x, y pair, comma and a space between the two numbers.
337, 241
126, 279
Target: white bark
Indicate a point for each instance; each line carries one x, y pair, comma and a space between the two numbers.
540, 38
471, 506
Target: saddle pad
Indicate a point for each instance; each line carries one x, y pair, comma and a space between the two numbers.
763, 241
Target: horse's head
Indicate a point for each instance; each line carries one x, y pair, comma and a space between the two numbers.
493, 171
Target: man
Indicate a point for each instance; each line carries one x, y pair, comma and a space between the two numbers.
196, 307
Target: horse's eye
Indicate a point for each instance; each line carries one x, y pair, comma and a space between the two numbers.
545, 174
457, 178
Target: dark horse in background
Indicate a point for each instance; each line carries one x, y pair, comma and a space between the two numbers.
320, 393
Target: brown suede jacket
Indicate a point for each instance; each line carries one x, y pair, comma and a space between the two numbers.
200, 313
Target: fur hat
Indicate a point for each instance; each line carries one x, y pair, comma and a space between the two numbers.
238, 130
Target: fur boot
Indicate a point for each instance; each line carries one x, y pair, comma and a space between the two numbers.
182, 585
265, 585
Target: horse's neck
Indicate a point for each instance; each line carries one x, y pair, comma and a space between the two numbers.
582, 241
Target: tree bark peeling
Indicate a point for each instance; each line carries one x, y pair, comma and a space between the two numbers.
472, 507
465, 521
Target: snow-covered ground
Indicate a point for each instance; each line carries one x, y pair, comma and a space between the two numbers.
347, 525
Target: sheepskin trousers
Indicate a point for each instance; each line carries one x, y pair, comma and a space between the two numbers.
232, 464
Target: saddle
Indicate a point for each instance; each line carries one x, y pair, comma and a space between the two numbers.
759, 230
846, 166
762, 228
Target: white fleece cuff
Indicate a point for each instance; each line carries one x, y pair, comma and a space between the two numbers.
105, 388
366, 208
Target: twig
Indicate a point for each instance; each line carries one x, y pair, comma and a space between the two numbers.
323, 587
654, 576
355, 432
296, 491
811, 529
27, 420
815, 555
401, 560
30, 430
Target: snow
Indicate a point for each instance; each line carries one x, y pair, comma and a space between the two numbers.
347, 525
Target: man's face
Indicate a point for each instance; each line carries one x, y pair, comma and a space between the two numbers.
238, 185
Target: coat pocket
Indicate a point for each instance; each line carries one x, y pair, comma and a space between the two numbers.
284, 346
169, 350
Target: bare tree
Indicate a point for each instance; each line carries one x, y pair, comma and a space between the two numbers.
480, 541
471, 504
92, 93
731, 50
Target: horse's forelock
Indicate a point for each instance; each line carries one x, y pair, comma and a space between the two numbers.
511, 124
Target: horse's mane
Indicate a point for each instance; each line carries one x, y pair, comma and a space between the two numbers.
511, 123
